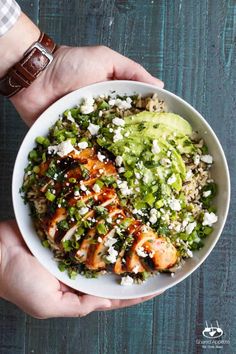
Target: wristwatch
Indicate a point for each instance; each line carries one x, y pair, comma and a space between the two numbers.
35, 60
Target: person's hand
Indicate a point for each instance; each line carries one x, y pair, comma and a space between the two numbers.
26, 283
74, 68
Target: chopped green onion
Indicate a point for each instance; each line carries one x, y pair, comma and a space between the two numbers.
67, 245
50, 196
45, 243
42, 141
33, 155
150, 199
101, 229
63, 225
72, 180
36, 169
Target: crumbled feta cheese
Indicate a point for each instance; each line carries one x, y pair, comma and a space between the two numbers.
117, 136
151, 254
190, 227
118, 161
99, 239
184, 224
171, 179
121, 104
135, 269
76, 193
207, 158
126, 134
137, 175
112, 255
96, 188
127, 280
196, 159
69, 117
206, 194
189, 174
123, 185
100, 113
189, 253
121, 170
141, 252
100, 156
165, 162
145, 178
83, 210
109, 219
153, 216
83, 187
175, 204
153, 219
87, 106
62, 149
83, 145
93, 128
209, 219
80, 253
118, 121
155, 147
110, 241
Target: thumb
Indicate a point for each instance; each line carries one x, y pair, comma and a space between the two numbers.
127, 69
72, 305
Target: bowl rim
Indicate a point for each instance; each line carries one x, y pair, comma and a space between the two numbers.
149, 86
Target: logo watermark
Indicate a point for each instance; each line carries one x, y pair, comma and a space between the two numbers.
212, 336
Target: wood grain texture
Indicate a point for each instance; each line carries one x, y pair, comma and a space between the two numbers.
190, 44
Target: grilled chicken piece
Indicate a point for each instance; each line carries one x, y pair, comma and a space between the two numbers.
82, 253
91, 163
51, 225
96, 251
93, 253
162, 252
120, 266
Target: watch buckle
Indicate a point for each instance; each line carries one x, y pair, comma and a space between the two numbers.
43, 50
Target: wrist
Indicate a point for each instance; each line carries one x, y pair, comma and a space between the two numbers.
16, 42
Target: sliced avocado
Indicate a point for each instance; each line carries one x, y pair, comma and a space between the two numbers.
184, 145
177, 185
171, 120
132, 145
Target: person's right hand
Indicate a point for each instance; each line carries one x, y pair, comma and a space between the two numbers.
73, 68
26, 283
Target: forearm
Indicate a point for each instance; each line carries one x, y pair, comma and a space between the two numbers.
16, 41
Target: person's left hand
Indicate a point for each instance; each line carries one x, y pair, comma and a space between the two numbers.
26, 283
74, 68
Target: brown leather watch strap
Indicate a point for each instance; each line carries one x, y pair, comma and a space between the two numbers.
35, 60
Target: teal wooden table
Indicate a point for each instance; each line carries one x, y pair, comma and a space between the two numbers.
190, 44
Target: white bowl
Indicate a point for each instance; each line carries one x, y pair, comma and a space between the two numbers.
108, 285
